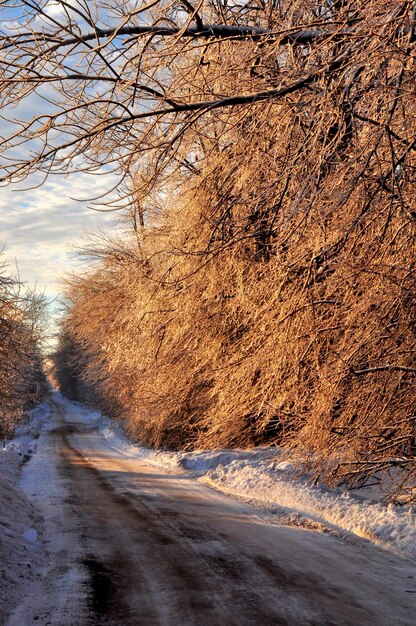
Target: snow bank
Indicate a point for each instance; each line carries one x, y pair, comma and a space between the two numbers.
210, 460
261, 476
274, 484
116, 438
21, 551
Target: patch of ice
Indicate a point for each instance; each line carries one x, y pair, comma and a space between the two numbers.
30, 535
283, 466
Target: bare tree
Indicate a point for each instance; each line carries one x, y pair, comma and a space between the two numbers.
124, 86
22, 380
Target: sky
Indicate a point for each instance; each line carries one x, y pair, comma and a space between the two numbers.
40, 228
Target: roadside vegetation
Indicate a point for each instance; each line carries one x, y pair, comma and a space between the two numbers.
268, 296
264, 290
22, 379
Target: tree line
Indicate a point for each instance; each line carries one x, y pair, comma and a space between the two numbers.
264, 288
22, 378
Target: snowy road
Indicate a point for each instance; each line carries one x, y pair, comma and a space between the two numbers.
131, 544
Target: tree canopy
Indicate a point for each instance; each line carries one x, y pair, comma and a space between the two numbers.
149, 86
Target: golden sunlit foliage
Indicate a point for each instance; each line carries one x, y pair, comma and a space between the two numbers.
265, 290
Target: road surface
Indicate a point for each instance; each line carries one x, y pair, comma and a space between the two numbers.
133, 544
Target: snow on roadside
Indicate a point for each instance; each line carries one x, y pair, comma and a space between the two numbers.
21, 551
114, 435
261, 476
389, 526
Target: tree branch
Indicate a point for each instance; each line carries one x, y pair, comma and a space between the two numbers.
383, 368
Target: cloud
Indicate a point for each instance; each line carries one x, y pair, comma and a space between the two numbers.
39, 228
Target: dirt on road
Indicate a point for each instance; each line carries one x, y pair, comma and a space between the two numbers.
133, 544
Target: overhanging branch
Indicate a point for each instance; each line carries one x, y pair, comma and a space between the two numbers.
384, 368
